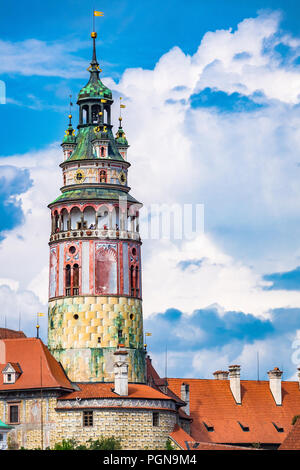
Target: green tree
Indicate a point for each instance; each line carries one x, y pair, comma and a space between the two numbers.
105, 443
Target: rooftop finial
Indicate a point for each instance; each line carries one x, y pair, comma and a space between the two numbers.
121, 106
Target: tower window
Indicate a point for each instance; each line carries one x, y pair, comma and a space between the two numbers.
88, 418
102, 176
155, 418
68, 279
75, 279
120, 333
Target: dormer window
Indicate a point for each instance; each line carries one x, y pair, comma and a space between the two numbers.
11, 373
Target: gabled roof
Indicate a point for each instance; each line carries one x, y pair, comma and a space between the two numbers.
14, 365
105, 390
33, 358
5, 333
211, 401
292, 441
161, 384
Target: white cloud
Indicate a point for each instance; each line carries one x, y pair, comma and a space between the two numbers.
242, 166
34, 57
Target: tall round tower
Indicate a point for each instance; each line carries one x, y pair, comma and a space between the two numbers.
95, 297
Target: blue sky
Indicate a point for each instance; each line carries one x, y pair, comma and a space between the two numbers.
212, 91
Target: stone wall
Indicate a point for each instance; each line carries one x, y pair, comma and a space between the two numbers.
83, 335
133, 426
28, 433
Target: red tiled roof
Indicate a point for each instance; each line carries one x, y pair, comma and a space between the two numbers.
181, 437
32, 356
105, 390
5, 333
292, 441
186, 442
161, 384
211, 401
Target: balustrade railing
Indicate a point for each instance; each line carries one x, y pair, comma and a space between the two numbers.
95, 233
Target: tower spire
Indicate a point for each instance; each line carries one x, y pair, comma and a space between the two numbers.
94, 68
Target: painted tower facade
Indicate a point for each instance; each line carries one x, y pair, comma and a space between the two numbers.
95, 295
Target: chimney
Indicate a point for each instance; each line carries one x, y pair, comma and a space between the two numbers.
221, 375
121, 372
275, 384
185, 396
299, 377
235, 382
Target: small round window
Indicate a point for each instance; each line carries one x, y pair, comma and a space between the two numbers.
75, 316
72, 250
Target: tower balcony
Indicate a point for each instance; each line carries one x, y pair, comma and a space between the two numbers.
95, 233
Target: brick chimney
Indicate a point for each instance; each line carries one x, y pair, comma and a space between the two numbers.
275, 384
185, 396
121, 372
235, 382
221, 374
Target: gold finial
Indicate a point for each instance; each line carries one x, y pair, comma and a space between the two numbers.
70, 116
93, 34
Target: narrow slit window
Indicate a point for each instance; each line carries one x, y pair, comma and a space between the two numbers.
155, 418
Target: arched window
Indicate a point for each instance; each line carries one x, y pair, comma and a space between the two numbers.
136, 281
102, 153
95, 111
132, 279
68, 279
75, 279
85, 114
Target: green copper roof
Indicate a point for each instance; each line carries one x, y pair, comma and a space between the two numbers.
94, 89
84, 148
69, 137
121, 137
93, 193
4, 426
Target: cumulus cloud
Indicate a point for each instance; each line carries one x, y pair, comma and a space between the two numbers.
24, 253
13, 182
34, 57
19, 310
239, 155
209, 340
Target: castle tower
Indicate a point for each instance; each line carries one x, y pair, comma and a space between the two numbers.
95, 297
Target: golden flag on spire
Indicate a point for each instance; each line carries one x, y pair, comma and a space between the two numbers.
98, 13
